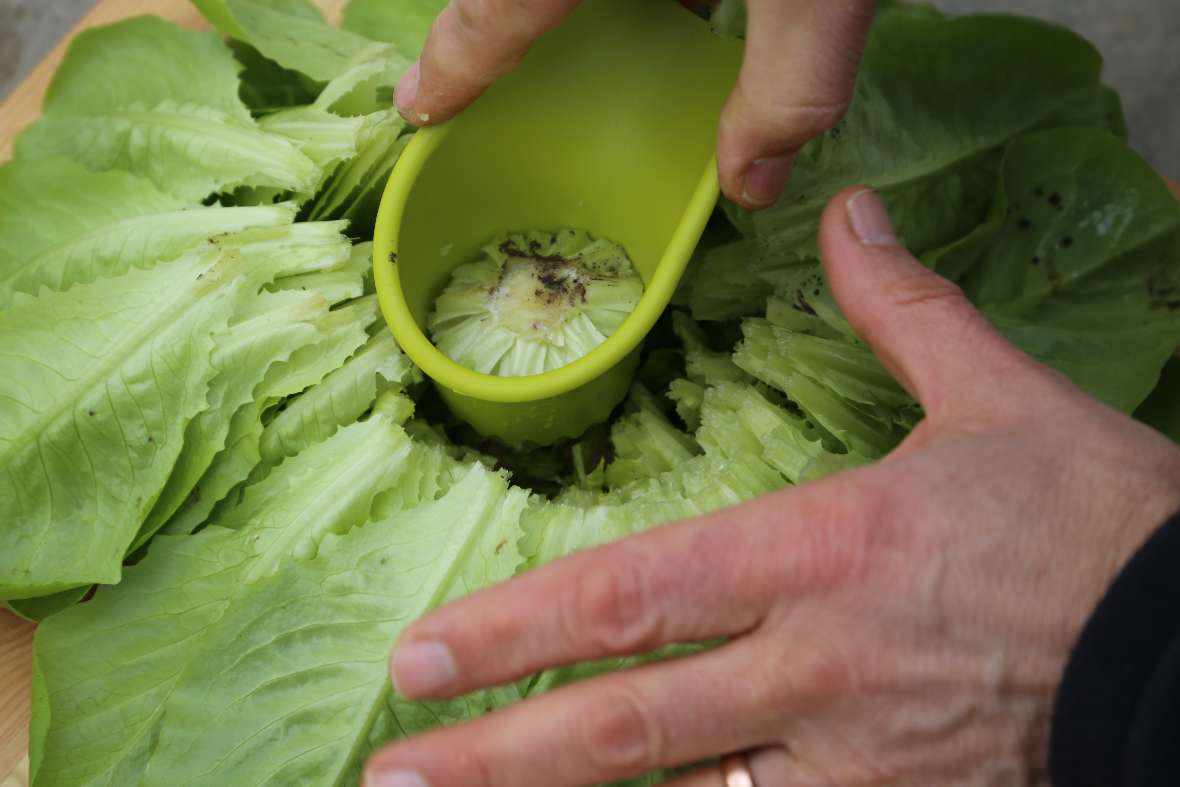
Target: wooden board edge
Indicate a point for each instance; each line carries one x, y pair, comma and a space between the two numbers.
16, 656
23, 104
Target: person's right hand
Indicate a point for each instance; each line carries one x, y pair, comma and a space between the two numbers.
903, 624
796, 81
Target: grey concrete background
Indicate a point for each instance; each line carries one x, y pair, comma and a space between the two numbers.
1140, 40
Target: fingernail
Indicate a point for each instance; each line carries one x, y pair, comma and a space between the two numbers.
395, 779
869, 219
421, 668
764, 181
407, 90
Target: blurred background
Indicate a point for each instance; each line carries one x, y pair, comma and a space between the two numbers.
1139, 38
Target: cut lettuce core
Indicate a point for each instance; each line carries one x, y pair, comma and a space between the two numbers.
534, 302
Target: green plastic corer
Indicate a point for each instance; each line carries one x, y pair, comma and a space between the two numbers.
609, 125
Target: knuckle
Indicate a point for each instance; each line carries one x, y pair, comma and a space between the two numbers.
478, 771
820, 677
475, 17
619, 733
924, 288
828, 675
790, 120
514, 22
816, 117
612, 604
843, 534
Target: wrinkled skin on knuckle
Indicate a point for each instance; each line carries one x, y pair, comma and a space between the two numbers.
612, 603
477, 770
474, 18
845, 528
514, 23
469, 46
619, 733
784, 123
919, 288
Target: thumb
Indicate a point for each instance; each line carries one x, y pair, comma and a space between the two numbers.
920, 325
472, 43
796, 82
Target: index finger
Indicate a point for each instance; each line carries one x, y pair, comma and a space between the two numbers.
472, 43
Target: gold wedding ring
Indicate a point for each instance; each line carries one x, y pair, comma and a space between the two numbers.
735, 771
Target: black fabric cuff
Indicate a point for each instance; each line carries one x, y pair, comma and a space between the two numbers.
1116, 720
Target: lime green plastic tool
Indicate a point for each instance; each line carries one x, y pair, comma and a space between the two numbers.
608, 125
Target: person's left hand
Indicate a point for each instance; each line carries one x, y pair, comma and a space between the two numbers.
902, 624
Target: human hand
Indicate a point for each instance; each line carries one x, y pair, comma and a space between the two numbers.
796, 81
902, 624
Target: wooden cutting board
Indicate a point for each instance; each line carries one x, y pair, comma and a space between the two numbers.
18, 110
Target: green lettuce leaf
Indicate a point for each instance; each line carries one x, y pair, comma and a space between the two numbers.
192, 635
149, 98
580, 519
702, 363
366, 84
839, 385
341, 398
934, 105
740, 420
323, 137
353, 192
403, 23
292, 33
124, 388
265, 85
61, 224
39, 608
101, 382
1080, 265
342, 332
243, 356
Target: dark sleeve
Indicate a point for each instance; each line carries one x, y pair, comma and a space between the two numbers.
1116, 721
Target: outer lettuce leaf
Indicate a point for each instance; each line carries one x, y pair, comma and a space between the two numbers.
61, 224
557, 529
242, 358
37, 609
134, 379
579, 520
351, 601
267, 86
341, 398
100, 383
935, 103
403, 23
366, 85
292, 33
147, 97
253, 669
342, 332
182, 587
1080, 265
323, 137
354, 190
